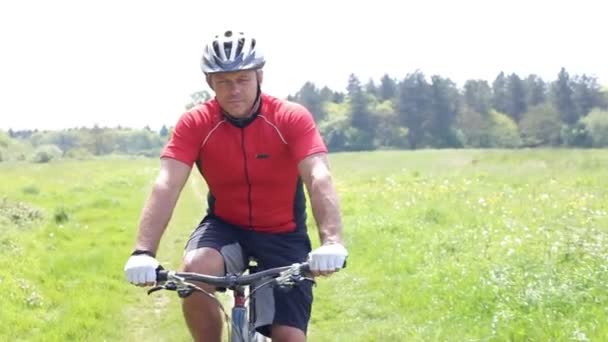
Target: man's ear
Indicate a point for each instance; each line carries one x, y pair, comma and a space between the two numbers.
208, 79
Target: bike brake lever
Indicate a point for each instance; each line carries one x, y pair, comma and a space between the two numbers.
155, 288
171, 286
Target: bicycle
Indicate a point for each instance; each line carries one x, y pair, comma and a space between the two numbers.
242, 319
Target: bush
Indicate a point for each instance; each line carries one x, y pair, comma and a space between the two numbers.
18, 213
596, 126
5, 140
61, 215
488, 130
13, 149
358, 140
575, 135
30, 190
46, 153
504, 131
79, 153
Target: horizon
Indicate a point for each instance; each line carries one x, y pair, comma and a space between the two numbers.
134, 64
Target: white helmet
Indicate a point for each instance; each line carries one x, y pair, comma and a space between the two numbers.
231, 51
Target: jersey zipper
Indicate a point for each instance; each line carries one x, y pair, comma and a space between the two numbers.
247, 178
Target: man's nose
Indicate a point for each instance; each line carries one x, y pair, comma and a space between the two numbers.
234, 88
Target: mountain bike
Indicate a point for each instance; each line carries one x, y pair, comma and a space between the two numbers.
242, 319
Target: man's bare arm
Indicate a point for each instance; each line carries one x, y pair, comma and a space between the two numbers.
315, 172
159, 206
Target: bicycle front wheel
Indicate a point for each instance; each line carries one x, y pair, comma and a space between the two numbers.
239, 326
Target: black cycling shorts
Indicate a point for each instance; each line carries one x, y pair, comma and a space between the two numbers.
237, 245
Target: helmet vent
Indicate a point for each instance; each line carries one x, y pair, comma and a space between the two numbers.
231, 51
239, 47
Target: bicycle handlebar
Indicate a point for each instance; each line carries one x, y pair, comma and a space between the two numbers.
231, 280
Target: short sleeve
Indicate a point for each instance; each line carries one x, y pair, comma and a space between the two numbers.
303, 137
184, 142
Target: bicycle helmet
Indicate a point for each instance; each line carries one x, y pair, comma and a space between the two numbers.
231, 51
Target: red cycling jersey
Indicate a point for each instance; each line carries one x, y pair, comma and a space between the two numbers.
251, 171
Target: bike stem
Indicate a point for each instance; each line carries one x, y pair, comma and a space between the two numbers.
239, 297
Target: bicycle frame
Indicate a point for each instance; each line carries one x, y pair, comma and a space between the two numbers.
243, 316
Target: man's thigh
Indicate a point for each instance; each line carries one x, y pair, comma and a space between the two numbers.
215, 234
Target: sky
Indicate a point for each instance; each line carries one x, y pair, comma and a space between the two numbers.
134, 63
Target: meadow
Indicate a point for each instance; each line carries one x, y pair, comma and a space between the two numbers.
445, 245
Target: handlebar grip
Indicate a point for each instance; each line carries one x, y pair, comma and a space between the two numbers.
161, 274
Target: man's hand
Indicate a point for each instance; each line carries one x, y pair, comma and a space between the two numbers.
141, 270
327, 259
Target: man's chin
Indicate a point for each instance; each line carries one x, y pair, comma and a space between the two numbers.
238, 113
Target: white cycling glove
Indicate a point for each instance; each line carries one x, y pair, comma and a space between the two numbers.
141, 269
328, 258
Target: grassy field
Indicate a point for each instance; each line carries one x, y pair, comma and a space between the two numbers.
446, 245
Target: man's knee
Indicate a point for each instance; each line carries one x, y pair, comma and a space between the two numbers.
205, 261
284, 333
200, 311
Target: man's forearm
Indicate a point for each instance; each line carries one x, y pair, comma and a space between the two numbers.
155, 216
326, 209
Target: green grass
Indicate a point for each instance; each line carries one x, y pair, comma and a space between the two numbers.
453, 245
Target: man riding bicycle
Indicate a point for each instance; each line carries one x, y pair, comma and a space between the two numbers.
256, 153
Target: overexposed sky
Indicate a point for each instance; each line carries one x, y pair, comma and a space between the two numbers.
134, 62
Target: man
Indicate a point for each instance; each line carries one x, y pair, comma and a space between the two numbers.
256, 153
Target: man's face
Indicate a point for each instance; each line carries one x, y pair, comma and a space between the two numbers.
236, 91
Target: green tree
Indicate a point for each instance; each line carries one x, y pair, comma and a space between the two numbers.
370, 88
561, 92
414, 106
474, 126
310, 97
516, 97
575, 135
332, 129
500, 93
388, 131
164, 131
387, 89
478, 96
596, 124
540, 126
360, 117
503, 131
338, 97
444, 108
64, 139
327, 95
536, 90
586, 94
198, 98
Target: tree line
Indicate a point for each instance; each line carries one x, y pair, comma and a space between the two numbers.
412, 113
432, 112
80, 143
